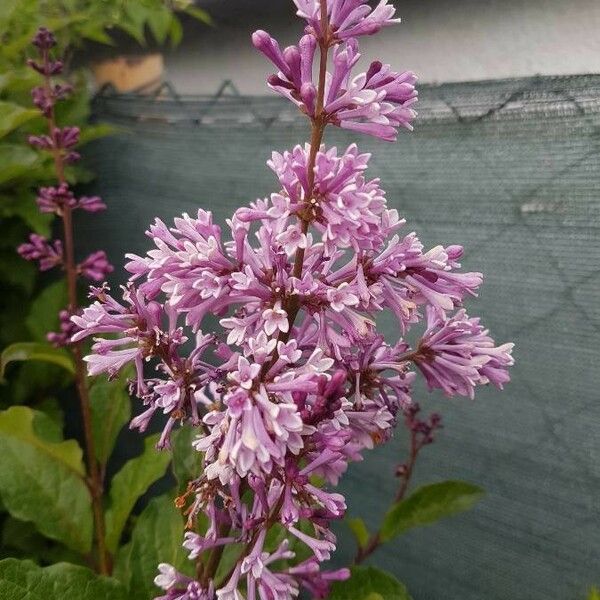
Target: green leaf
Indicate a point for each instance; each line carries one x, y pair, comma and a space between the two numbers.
129, 484
360, 531
594, 594
16, 160
369, 583
159, 21
36, 351
48, 421
24, 580
95, 132
43, 482
199, 14
22, 540
429, 504
187, 463
156, 538
175, 32
13, 116
43, 315
23, 205
111, 409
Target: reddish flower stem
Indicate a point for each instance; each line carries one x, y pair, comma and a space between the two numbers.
292, 306
375, 540
94, 479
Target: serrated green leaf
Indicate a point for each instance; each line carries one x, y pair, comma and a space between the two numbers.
24, 580
36, 351
12, 116
156, 538
43, 315
369, 583
428, 504
360, 531
43, 482
129, 484
111, 409
187, 463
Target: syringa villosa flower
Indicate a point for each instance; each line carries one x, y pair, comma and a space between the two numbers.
285, 376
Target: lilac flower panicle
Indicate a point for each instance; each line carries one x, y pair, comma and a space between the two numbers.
284, 375
59, 198
376, 102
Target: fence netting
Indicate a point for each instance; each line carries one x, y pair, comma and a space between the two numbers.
511, 170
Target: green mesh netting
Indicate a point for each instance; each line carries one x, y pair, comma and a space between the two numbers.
510, 169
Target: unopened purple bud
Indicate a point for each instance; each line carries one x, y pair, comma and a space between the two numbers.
42, 100
96, 266
72, 157
49, 254
55, 199
66, 137
41, 142
91, 204
44, 39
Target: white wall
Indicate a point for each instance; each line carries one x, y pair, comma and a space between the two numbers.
441, 40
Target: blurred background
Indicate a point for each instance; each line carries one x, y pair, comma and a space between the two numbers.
504, 159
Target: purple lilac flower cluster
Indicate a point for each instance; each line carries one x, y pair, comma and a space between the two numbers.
296, 383
59, 199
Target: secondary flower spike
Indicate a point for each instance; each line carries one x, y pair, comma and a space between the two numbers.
262, 334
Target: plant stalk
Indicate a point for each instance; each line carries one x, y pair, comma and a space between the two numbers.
94, 480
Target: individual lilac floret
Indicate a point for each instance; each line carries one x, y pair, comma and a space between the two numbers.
347, 18
180, 587
456, 354
49, 254
96, 266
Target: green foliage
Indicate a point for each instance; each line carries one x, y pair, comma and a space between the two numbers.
129, 484
22, 540
24, 351
429, 504
369, 583
111, 410
13, 116
594, 594
43, 481
360, 531
156, 538
23, 580
43, 315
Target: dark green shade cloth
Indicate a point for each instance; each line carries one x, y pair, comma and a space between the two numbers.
509, 169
